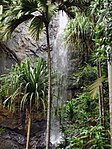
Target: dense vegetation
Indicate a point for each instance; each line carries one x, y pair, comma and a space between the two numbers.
86, 120
25, 88
86, 117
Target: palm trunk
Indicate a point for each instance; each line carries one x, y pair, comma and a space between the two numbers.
28, 129
49, 85
101, 98
109, 55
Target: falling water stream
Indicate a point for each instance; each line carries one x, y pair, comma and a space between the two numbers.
60, 68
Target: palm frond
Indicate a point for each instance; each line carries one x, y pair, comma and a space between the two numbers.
24, 100
29, 6
36, 27
43, 3
52, 11
5, 3
31, 98
9, 27
93, 88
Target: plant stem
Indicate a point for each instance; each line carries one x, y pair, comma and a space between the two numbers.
29, 128
109, 62
101, 98
49, 84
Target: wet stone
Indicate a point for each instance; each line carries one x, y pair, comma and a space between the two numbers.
9, 144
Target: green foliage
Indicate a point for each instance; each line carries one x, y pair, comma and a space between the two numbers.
93, 88
79, 29
76, 143
85, 76
16, 12
36, 27
25, 84
81, 111
93, 137
80, 127
103, 28
80, 32
81, 115
70, 110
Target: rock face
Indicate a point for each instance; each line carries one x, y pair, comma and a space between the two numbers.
73, 59
7, 58
5, 62
6, 144
10, 139
23, 44
14, 137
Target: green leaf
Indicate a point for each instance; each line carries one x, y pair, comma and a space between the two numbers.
93, 88
24, 100
36, 27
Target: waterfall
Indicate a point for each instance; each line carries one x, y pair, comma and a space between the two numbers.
60, 67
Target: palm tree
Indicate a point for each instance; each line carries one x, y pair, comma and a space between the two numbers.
25, 86
40, 13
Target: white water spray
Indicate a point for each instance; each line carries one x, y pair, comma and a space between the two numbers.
60, 68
